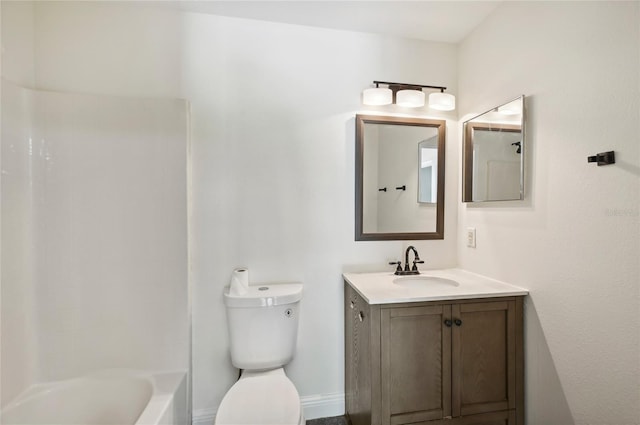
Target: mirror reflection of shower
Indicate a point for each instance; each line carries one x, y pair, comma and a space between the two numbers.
493, 150
428, 171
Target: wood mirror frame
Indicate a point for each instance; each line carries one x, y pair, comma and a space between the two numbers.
440, 126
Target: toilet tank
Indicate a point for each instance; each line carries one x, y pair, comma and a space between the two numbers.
263, 325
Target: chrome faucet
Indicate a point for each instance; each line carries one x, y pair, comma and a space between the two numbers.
407, 271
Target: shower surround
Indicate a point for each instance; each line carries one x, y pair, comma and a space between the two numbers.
94, 236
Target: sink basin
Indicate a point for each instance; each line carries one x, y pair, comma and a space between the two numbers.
419, 280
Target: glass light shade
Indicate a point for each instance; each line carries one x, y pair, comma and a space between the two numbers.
377, 96
442, 101
410, 98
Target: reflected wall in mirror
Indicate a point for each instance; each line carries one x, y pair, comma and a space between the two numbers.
399, 178
493, 151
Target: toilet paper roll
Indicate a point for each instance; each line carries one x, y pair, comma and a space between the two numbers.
239, 282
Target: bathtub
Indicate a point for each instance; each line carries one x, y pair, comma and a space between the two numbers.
108, 397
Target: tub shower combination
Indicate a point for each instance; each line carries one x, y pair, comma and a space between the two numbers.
123, 397
93, 295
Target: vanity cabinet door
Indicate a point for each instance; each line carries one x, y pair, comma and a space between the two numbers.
483, 357
415, 364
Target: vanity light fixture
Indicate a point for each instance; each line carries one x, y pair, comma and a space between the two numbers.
407, 95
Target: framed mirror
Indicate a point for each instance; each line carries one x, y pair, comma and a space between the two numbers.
493, 154
399, 178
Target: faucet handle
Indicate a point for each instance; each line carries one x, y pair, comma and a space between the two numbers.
415, 268
398, 264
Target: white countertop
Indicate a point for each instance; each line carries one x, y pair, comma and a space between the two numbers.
378, 288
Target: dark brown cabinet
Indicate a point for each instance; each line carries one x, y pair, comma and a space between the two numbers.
447, 362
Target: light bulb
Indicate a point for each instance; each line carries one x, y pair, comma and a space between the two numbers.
377, 96
410, 98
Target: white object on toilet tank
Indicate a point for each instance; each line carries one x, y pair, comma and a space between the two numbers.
239, 282
263, 325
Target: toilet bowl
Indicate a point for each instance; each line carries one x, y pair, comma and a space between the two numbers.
261, 398
263, 328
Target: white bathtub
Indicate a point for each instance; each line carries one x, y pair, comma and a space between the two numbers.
109, 397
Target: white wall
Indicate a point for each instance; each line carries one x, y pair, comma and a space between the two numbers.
574, 240
273, 111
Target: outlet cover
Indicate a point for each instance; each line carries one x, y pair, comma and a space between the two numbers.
471, 237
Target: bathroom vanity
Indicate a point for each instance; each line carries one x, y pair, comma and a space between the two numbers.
443, 347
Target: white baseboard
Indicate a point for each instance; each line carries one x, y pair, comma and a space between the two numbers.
203, 416
314, 406
323, 405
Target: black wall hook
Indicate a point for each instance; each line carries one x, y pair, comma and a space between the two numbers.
403, 187
518, 146
384, 189
603, 158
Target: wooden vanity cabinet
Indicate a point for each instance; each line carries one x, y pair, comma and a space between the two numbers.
433, 363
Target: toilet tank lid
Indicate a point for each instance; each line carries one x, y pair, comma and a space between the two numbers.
265, 295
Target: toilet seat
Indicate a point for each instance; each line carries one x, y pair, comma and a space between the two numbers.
261, 398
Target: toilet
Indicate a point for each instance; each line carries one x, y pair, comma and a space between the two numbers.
263, 330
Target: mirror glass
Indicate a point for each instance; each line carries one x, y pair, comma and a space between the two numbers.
399, 178
428, 170
493, 151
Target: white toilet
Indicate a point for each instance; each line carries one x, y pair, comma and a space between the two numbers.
263, 328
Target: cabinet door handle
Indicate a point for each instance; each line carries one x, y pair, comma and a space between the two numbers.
361, 316
458, 322
448, 323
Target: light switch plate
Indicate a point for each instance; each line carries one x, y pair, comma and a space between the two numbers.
471, 237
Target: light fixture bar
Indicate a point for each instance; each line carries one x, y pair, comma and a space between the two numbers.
401, 86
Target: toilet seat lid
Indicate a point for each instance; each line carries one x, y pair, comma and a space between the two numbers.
260, 399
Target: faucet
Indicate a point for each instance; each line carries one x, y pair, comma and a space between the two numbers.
407, 271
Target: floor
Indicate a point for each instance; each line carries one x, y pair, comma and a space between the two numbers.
337, 420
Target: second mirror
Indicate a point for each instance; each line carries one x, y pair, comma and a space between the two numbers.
493, 151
